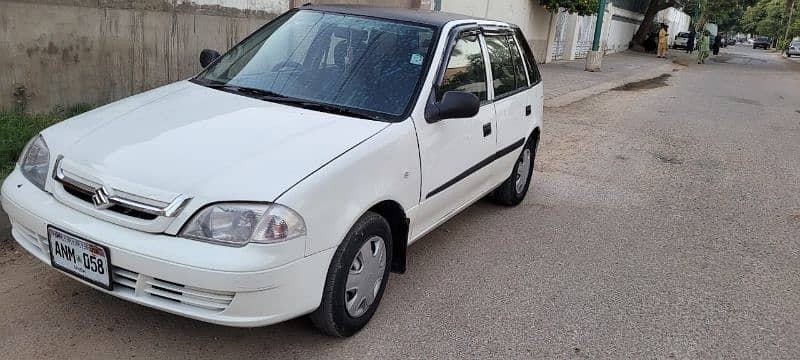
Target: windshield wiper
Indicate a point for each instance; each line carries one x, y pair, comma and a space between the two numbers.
243, 90
329, 108
272, 96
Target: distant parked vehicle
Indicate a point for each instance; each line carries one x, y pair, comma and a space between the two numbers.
731, 41
762, 42
793, 49
681, 40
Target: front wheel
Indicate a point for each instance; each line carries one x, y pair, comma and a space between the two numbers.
513, 190
356, 278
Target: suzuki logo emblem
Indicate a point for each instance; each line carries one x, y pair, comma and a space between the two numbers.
100, 198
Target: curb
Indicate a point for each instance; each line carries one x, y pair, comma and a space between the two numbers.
575, 96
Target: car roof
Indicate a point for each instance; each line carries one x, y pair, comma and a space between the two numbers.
427, 17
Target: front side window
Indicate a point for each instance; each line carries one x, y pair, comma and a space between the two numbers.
352, 62
504, 75
465, 69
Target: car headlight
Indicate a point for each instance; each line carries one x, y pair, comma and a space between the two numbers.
35, 161
237, 224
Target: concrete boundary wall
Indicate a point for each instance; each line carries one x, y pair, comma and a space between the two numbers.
68, 52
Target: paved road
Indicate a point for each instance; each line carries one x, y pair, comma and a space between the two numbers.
664, 223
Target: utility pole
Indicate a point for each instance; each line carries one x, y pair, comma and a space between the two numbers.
595, 57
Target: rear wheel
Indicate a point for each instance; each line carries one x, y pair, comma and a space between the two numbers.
512, 191
356, 278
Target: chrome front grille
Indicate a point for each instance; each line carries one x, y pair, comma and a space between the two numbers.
135, 284
104, 197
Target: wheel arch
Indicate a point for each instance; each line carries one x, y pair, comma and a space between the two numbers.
535, 134
395, 215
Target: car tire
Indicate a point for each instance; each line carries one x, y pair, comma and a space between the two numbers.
511, 192
343, 312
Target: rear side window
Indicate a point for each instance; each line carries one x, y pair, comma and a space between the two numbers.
519, 65
530, 61
504, 75
465, 70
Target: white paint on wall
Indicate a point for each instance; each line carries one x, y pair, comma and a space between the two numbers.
271, 6
621, 28
677, 20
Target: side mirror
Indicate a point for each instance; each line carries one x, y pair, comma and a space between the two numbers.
207, 56
454, 105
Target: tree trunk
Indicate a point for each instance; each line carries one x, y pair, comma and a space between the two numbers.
640, 37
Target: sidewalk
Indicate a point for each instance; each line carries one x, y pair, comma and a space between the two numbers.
566, 82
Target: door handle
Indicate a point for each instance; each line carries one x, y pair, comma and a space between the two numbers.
527, 110
487, 129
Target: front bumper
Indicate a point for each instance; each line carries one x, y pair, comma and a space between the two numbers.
184, 277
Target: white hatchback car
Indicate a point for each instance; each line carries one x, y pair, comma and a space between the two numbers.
288, 177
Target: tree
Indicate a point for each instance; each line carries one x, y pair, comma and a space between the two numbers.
770, 18
725, 13
581, 7
644, 28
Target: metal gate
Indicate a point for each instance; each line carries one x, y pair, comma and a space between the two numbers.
585, 36
560, 35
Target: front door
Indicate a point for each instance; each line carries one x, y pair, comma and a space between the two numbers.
456, 153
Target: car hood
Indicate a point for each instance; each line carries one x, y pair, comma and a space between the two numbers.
188, 139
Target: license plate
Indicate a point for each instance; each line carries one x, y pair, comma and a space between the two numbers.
79, 257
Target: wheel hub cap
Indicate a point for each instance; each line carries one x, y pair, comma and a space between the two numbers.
365, 277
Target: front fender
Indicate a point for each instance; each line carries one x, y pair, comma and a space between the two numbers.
383, 167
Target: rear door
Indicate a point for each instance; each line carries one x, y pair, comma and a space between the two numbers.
516, 100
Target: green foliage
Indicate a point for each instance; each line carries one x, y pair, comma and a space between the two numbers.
17, 128
726, 14
770, 18
581, 7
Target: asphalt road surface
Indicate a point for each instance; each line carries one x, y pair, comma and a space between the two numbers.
664, 222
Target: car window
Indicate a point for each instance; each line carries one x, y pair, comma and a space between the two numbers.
683, 34
360, 63
466, 70
503, 71
530, 61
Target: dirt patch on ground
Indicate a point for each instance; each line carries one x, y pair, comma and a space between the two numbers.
681, 61
653, 83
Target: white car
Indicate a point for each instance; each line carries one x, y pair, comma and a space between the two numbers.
290, 175
681, 40
793, 49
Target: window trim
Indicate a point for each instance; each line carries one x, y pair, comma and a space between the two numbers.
530, 67
452, 37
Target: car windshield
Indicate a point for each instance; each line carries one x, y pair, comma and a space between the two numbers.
762, 39
683, 34
349, 62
